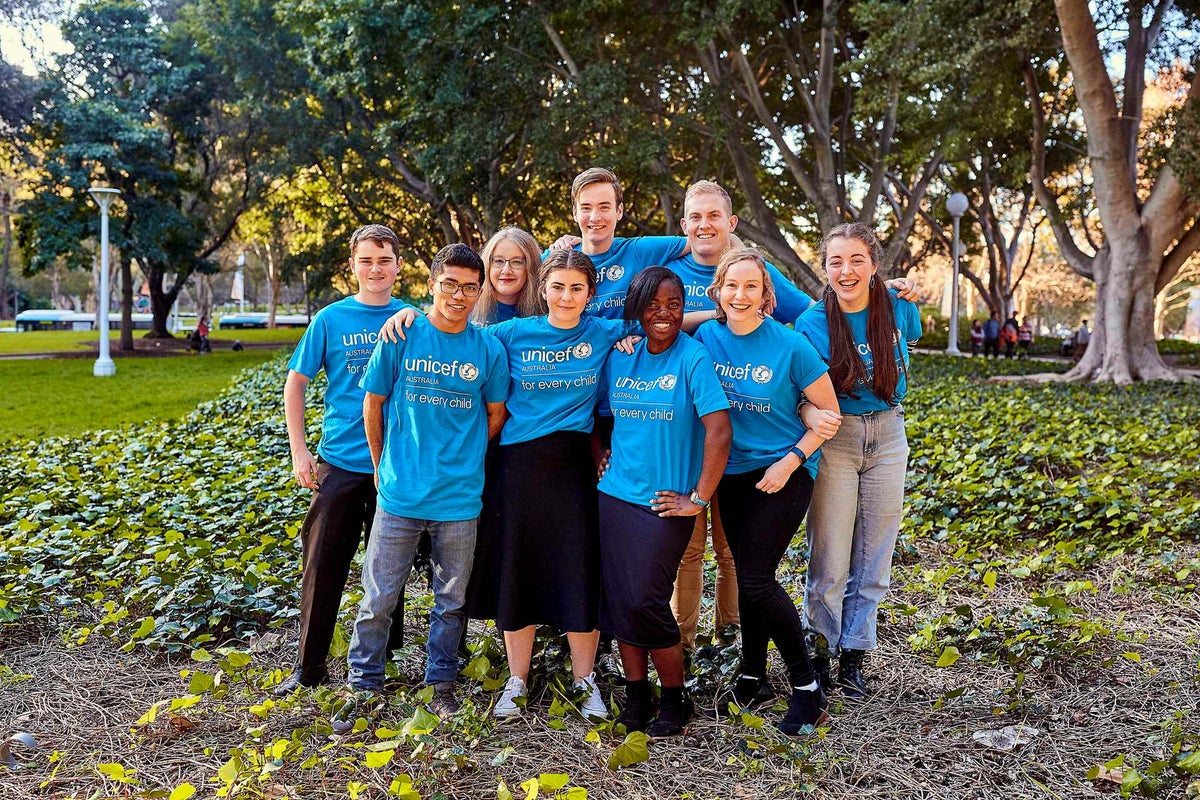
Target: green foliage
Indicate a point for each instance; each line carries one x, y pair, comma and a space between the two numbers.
1031, 466
188, 523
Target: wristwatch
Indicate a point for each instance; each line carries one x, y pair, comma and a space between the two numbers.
695, 498
799, 454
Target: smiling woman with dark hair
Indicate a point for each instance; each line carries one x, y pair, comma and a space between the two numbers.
670, 441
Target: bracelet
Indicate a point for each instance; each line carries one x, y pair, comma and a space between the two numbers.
795, 450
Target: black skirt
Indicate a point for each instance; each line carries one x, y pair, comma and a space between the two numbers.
484, 585
639, 557
540, 547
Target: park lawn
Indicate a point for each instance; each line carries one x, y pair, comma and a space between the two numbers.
61, 397
28, 342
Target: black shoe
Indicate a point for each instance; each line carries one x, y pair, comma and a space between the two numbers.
673, 717
850, 675
820, 658
300, 680
639, 707
748, 694
444, 704
608, 670
806, 709
824, 672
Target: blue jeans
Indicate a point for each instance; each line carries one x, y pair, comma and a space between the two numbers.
390, 551
852, 526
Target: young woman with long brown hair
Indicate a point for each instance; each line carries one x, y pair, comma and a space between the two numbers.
863, 331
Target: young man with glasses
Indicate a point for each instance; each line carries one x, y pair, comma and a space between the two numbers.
432, 402
338, 340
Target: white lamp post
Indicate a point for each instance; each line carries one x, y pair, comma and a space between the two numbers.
241, 282
956, 204
104, 365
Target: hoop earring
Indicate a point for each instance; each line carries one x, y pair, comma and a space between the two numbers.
871, 284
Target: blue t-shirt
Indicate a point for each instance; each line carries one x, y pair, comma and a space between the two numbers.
501, 313
656, 401
908, 323
616, 267
435, 430
554, 373
340, 340
764, 373
790, 302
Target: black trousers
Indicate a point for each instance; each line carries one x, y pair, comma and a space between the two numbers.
759, 527
991, 346
338, 519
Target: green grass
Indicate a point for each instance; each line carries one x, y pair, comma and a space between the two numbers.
82, 341
61, 397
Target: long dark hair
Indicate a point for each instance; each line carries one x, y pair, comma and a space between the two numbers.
846, 366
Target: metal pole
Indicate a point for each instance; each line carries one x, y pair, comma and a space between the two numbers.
952, 339
104, 366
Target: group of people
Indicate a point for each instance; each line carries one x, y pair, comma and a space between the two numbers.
991, 334
563, 425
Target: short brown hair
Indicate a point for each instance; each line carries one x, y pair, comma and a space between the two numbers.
708, 187
731, 257
379, 234
595, 175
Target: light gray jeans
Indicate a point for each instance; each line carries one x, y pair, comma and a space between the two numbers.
852, 526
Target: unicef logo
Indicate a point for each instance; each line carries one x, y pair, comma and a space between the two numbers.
666, 382
762, 374
615, 272
582, 350
468, 372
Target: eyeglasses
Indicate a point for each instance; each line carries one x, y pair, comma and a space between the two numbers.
515, 264
450, 287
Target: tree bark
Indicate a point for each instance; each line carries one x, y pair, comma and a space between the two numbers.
126, 304
1126, 268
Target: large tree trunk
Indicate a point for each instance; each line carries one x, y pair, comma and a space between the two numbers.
6, 256
1137, 234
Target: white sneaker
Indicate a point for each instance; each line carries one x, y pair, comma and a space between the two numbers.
507, 706
593, 706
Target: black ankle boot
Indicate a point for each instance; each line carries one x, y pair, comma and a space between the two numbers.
850, 675
674, 713
819, 657
639, 706
806, 707
823, 670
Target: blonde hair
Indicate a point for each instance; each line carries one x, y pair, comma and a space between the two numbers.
708, 187
529, 303
734, 256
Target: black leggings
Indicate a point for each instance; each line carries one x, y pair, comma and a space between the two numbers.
759, 528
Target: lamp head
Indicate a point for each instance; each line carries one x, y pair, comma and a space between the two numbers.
103, 196
956, 204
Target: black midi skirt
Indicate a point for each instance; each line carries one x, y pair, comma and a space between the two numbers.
639, 558
540, 545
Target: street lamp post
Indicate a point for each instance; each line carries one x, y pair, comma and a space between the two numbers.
241, 279
104, 365
956, 204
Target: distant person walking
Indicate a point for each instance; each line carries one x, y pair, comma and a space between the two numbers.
976, 337
1083, 337
1008, 335
202, 335
991, 336
1024, 338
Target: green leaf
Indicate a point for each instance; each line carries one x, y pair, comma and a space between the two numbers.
182, 792
1189, 763
989, 579
1132, 656
145, 629
631, 751
115, 771
575, 793
377, 760
949, 656
201, 655
553, 781
503, 792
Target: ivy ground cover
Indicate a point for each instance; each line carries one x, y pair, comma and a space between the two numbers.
1046, 577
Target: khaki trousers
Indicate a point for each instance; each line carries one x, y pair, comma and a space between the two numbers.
689, 583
